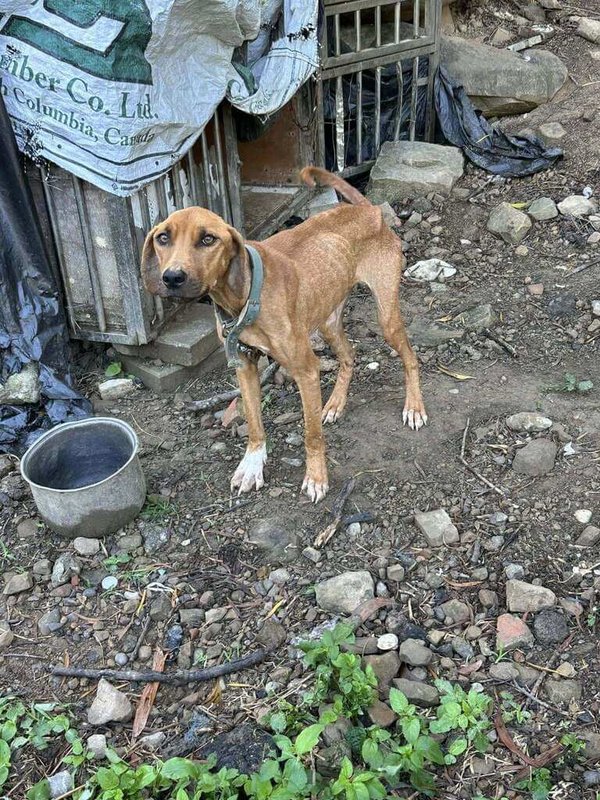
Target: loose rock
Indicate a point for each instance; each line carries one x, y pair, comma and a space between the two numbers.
589, 29
384, 666
457, 611
590, 536
562, 692
522, 597
381, 714
432, 269
277, 541
536, 458
60, 784
116, 388
509, 223
542, 209
437, 527
414, 653
86, 547
6, 635
528, 421
512, 633
343, 593
110, 705
503, 672
421, 694
16, 584
21, 388
577, 206
550, 627
96, 744
583, 515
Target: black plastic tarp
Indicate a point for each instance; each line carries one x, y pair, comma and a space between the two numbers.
491, 149
32, 322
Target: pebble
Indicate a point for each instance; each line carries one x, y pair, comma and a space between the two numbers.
109, 583
528, 597
562, 692
60, 783
343, 593
96, 744
513, 571
385, 667
192, 617
145, 653
415, 653
116, 388
28, 528
353, 530
65, 567
528, 421
15, 584
381, 714
503, 671
462, 648
536, 458
395, 573
373, 366
86, 547
6, 635
275, 539
50, 622
109, 705
312, 554
388, 641
437, 527
488, 598
421, 694
577, 206
121, 659
542, 209
550, 627
589, 537
456, 610
512, 633
583, 515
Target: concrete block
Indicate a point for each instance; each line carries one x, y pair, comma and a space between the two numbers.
164, 378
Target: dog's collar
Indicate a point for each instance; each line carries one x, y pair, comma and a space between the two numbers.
233, 326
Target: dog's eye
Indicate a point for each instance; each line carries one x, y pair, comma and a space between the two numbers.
208, 239
163, 238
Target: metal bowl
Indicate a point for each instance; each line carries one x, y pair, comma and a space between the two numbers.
86, 477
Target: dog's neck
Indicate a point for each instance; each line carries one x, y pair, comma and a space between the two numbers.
231, 292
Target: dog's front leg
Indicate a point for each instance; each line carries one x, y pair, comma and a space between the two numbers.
307, 377
249, 473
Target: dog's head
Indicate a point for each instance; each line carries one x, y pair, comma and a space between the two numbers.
189, 254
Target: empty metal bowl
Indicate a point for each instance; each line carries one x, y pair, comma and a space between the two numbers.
85, 477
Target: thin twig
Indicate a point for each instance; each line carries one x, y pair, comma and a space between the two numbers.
336, 512
226, 397
471, 469
499, 340
140, 639
176, 678
537, 700
589, 264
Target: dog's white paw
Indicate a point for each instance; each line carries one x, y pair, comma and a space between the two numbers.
315, 491
330, 415
249, 474
415, 419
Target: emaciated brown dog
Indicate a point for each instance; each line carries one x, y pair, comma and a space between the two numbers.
308, 274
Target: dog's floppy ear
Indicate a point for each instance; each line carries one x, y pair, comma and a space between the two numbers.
236, 273
149, 257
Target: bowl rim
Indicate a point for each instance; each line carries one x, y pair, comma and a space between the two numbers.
78, 424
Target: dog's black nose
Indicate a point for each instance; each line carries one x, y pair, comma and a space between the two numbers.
173, 278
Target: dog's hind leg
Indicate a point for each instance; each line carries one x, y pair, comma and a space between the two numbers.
385, 285
335, 336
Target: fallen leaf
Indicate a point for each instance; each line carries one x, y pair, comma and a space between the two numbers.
467, 669
457, 375
216, 695
148, 695
519, 205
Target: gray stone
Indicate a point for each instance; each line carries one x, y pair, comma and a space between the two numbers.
414, 653
543, 208
156, 538
522, 597
592, 745
550, 627
121, 659
96, 744
421, 694
275, 539
552, 133
499, 81
387, 641
335, 731
589, 29
395, 573
21, 582
164, 378
6, 466
116, 388
528, 421
503, 671
160, 608
476, 318
129, 543
562, 692
192, 617
381, 714
431, 334
508, 223
488, 598
389, 216
272, 634
536, 458
110, 705
437, 527
576, 205
462, 648
50, 622
514, 571
385, 667
413, 169
589, 537
109, 583
343, 593
60, 783
22, 388
65, 567
85, 546
28, 529
456, 610
43, 567
153, 741
6, 635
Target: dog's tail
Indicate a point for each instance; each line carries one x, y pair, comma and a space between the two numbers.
315, 176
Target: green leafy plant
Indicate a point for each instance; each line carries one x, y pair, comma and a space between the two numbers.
113, 369
466, 712
570, 383
157, 509
513, 711
538, 784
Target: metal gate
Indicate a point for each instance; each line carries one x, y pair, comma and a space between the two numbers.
379, 59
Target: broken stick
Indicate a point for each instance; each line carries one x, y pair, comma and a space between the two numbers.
177, 678
471, 469
226, 397
336, 512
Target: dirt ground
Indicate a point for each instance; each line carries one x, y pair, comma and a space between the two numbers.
195, 550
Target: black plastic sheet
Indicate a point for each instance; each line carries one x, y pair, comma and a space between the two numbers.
491, 149
32, 323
